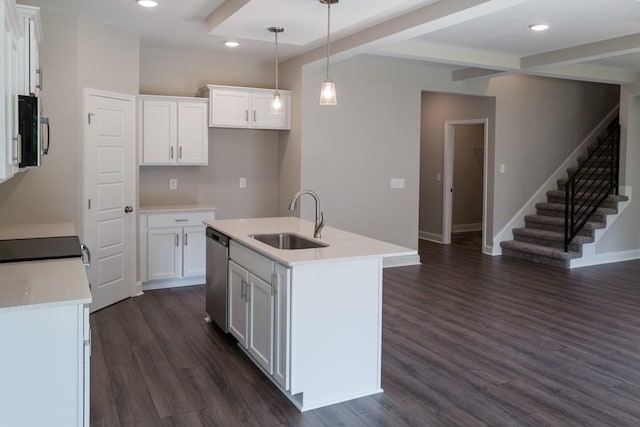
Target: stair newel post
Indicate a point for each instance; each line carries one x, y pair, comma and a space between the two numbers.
566, 215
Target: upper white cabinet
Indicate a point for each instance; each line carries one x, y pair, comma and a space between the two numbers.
173, 131
242, 107
9, 137
29, 71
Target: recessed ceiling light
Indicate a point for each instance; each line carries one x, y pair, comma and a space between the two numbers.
147, 3
231, 44
539, 27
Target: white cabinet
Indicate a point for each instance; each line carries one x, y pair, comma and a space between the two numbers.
29, 71
281, 325
172, 249
259, 310
44, 378
9, 138
241, 107
173, 131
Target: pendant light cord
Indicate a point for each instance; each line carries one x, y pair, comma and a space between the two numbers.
328, 33
276, 33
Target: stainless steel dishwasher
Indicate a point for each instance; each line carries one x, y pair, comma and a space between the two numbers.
216, 278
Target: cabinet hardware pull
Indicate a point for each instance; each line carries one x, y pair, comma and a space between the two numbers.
243, 289
254, 116
186, 239
246, 115
181, 220
177, 239
171, 149
40, 74
275, 281
180, 151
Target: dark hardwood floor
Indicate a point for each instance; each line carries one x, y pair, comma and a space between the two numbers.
468, 340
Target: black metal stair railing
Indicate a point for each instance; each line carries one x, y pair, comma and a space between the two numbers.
595, 179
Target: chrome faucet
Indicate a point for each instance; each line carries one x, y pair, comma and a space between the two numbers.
319, 215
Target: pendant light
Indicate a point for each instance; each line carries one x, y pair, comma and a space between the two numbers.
276, 101
328, 88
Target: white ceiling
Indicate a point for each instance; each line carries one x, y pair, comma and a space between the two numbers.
595, 40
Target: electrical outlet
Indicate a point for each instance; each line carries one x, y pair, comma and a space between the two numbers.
438, 177
243, 182
502, 168
173, 184
397, 183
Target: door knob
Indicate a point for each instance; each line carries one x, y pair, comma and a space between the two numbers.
128, 209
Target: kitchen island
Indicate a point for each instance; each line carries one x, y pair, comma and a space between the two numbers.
311, 319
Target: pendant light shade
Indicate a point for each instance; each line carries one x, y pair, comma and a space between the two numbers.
276, 101
328, 88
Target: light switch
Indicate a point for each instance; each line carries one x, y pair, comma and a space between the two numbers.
438, 177
243, 182
397, 183
502, 168
173, 184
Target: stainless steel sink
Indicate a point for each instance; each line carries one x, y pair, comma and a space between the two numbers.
288, 241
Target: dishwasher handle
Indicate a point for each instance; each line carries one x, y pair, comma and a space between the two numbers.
217, 237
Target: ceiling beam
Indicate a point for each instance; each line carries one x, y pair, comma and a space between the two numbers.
224, 12
584, 53
433, 52
586, 72
475, 73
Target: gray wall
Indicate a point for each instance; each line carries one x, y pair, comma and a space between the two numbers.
349, 153
468, 160
436, 109
233, 153
76, 53
623, 237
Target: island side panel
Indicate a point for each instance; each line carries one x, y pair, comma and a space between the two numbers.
336, 330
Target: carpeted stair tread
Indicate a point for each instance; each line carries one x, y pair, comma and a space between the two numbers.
559, 207
538, 253
549, 235
557, 221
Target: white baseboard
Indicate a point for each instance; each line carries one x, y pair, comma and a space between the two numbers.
172, 283
432, 237
461, 228
488, 250
608, 258
401, 261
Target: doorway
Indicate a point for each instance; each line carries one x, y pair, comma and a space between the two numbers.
465, 182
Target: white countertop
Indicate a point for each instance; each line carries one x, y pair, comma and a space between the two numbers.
342, 244
191, 207
36, 284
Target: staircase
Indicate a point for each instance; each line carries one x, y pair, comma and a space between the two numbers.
572, 213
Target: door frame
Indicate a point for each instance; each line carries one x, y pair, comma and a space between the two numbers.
447, 185
136, 287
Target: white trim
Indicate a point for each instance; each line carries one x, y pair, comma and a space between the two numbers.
401, 261
173, 283
488, 250
611, 257
432, 237
462, 228
529, 208
447, 185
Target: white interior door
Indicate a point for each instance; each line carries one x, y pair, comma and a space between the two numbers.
110, 193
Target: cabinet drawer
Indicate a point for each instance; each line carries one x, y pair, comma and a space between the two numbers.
257, 264
180, 219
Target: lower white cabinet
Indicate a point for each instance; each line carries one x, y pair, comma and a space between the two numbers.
173, 248
259, 311
44, 374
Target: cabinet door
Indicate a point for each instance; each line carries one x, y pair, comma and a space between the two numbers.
164, 253
238, 312
159, 133
261, 322
282, 323
193, 251
193, 133
229, 108
263, 118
